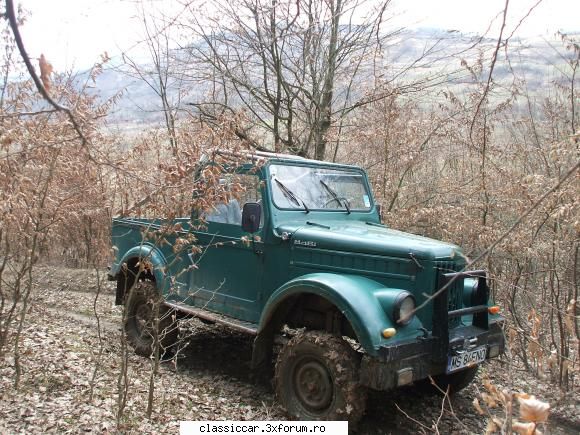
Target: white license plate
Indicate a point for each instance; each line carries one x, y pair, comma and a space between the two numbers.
465, 359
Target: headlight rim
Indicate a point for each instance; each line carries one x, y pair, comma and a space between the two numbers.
397, 308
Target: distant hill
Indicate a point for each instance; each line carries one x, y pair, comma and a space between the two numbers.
414, 54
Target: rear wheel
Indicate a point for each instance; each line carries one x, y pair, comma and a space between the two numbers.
317, 378
149, 321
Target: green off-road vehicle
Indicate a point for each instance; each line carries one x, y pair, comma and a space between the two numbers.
299, 256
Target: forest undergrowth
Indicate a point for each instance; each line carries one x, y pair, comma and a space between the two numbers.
490, 166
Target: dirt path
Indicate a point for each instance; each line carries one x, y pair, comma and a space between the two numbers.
211, 379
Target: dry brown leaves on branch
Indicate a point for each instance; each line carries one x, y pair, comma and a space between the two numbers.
45, 71
532, 411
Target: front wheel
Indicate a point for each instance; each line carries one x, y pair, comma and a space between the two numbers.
148, 321
317, 378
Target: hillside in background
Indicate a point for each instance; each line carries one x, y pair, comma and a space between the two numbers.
431, 54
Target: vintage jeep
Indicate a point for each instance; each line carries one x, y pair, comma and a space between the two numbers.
301, 248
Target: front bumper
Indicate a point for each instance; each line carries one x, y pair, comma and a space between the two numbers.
412, 361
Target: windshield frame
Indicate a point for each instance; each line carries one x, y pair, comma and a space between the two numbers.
314, 165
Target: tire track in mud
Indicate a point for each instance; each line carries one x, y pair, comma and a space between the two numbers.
85, 319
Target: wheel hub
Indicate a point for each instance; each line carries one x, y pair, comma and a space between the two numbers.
313, 385
143, 317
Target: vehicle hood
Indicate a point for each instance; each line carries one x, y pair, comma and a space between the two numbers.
368, 239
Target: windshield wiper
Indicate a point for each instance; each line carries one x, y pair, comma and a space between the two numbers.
290, 195
335, 196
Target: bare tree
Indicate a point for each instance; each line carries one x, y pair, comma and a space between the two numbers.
290, 65
159, 71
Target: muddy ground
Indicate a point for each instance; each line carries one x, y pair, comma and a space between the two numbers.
70, 373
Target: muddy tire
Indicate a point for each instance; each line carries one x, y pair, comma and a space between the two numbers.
316, 378
143, 303
455, 382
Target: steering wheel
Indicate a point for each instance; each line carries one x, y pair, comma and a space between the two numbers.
338, 199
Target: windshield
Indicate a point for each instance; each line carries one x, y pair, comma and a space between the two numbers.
305, 188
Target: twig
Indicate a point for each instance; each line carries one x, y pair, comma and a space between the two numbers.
448, 399
41, 89
500, 239
436, 428
412, 419
491, 68
19, 114
534, 6
99, 358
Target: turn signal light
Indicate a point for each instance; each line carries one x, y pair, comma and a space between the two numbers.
389, 332
493, 310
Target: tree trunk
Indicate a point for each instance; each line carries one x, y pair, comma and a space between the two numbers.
325, 108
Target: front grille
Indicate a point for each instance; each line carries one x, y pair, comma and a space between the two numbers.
454, 291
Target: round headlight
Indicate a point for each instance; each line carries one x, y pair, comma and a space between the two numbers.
403, 309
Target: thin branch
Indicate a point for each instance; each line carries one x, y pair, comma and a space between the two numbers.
534, 6
412, 419
500, 239
491, 68
19, 114
41, 89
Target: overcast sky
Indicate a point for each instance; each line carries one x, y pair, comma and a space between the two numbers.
72, 33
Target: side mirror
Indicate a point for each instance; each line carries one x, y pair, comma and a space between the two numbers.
251, 216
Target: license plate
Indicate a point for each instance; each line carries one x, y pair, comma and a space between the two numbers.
465, 359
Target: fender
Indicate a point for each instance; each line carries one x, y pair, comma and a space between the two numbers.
155, 257
357, 297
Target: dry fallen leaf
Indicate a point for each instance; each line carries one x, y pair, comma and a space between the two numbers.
525, 428
489, 386
493, 426
534, 410
45, 71
478, 407
489, 400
